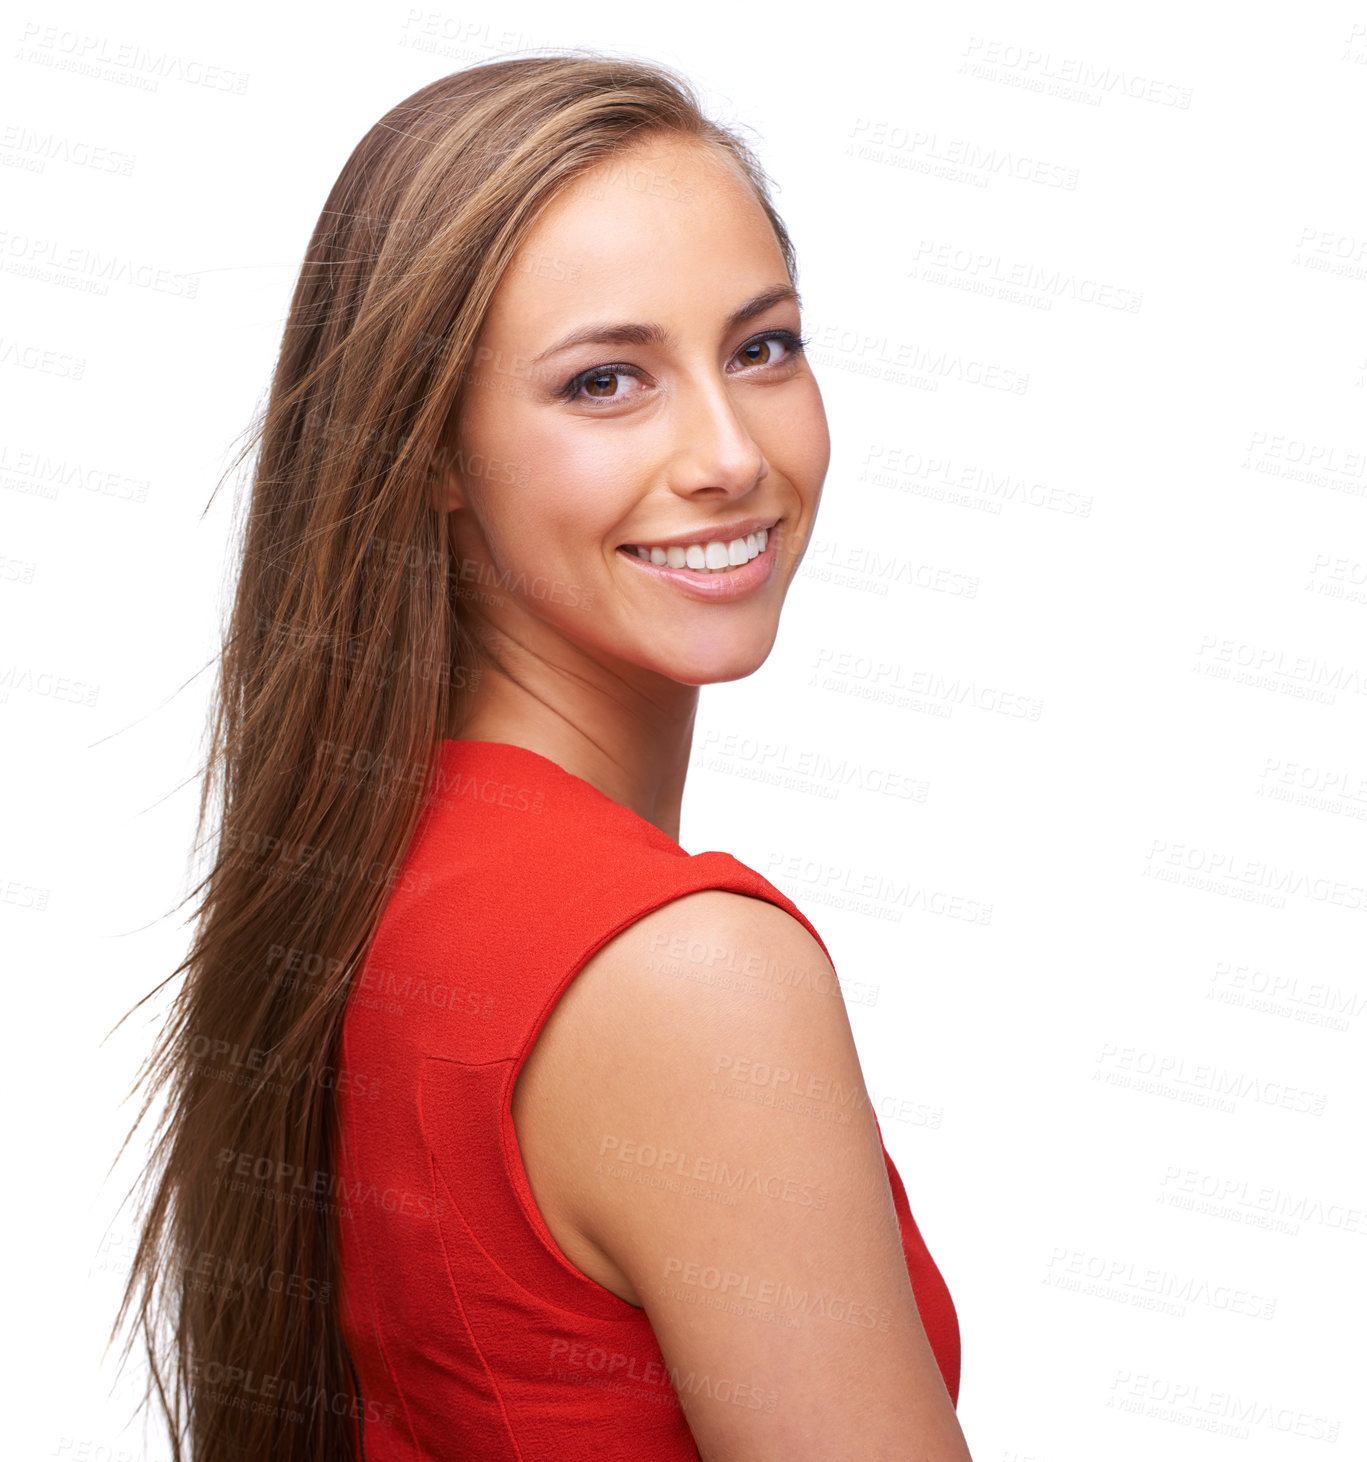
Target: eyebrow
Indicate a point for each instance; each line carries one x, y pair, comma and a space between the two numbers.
630, 333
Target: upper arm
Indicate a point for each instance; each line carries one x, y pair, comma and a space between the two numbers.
764, 1244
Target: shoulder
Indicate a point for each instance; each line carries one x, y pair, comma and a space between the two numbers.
716, 1011
512, 842
712, 976
716, 1146
493, 808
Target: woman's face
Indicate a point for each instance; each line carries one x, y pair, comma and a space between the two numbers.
636, 385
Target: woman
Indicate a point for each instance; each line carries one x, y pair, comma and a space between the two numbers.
499, 1126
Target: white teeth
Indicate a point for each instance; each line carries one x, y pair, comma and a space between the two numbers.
712, 556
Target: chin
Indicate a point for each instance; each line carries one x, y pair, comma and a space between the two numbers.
713, 665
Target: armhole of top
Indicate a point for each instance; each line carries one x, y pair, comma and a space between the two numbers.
720, 871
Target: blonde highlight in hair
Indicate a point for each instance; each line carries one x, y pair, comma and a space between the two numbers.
329, 650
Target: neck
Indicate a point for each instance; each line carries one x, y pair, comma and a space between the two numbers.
629, 739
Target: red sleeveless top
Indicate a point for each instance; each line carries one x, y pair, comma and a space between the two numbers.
471, 1336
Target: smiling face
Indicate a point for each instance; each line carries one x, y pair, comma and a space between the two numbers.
640, 413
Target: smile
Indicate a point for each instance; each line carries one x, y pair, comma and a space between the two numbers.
711, 571
714, 557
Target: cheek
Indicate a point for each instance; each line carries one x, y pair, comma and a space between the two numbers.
554, 527
578, 488
818, 450
798, 440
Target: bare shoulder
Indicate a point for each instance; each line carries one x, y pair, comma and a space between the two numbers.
710, 969
695, 1125
717, 1004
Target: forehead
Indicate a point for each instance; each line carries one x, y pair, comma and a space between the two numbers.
664, 227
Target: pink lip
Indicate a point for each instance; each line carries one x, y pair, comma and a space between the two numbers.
718, 533
715, 588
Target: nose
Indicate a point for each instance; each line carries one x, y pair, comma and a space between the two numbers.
714, 453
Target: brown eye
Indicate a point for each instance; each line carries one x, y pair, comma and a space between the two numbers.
600, 383
776, 348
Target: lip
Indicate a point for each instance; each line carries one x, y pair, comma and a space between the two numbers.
716, 588
714, 533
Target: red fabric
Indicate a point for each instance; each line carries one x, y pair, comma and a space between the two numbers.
471, 1335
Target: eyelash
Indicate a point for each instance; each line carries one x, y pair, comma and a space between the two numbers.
570, 390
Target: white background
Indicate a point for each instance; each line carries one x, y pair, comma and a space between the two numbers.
1129, 1108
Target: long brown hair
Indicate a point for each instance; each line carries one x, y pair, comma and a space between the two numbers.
346, 657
